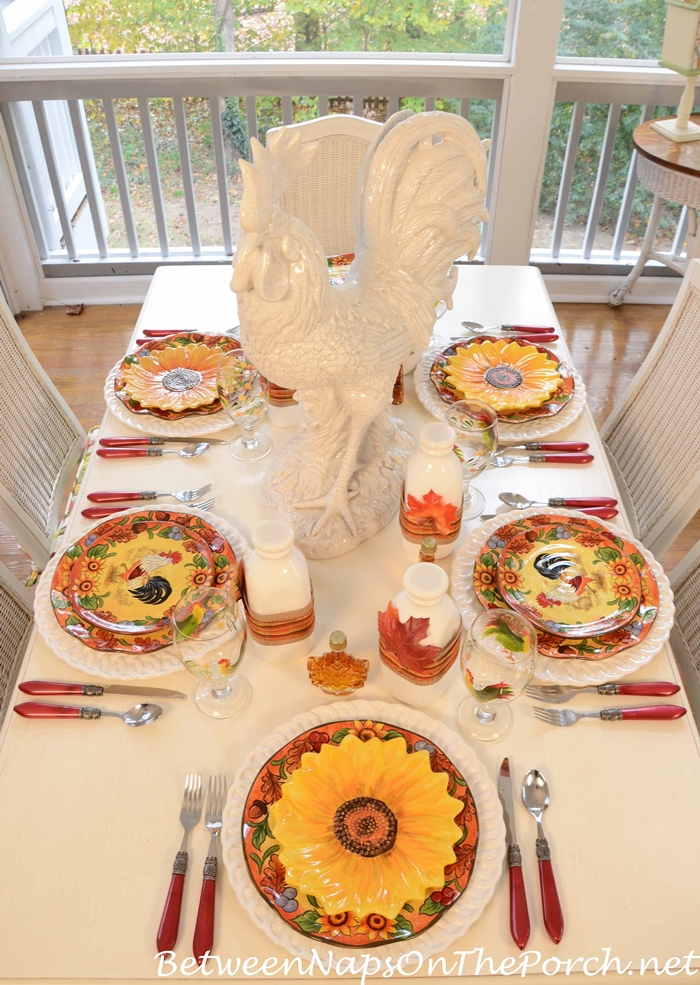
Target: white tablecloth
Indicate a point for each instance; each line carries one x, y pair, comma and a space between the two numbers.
89, 810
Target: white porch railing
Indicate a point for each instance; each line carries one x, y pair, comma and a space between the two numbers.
516, 163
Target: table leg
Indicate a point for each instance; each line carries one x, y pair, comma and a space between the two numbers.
618, 295
692, 240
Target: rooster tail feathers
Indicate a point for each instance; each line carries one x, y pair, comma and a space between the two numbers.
421, 194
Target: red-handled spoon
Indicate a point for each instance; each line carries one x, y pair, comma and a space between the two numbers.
535, 794
189, 451
138, 715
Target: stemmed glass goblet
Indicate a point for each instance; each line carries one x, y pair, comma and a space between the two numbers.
244, 394
476, 426
209, 630
497, 661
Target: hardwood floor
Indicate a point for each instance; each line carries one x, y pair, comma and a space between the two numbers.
607, 346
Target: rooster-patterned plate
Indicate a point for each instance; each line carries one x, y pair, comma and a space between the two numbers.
131, 586
159, 554
596, 536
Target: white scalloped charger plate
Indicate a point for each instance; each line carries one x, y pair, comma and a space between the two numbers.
490, 851
552, 670
534, 430
194, 425
110, 663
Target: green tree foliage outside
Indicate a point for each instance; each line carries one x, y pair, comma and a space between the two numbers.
590, 28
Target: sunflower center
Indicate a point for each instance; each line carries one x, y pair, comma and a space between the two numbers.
365, 826
503, 377
181, 379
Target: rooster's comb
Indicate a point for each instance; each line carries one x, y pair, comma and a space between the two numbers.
266, 180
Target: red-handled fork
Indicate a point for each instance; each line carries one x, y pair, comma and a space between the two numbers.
189, 816
550, 446
503, 461
204, 928
99, 512
184, 496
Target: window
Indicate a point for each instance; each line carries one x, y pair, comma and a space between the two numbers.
435, 26
612, 28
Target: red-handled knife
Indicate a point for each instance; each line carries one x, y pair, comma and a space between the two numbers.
94, 690
144, 451
602, 512
519, 916
153, 441
551, 446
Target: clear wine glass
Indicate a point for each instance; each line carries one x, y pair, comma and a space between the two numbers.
244, 394
476, 426
498, 661
209, 631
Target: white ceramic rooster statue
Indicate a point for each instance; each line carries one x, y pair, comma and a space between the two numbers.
420, 196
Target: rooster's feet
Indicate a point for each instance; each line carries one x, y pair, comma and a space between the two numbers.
336, 503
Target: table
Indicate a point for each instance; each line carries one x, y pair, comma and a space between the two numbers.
89, 818
672, 172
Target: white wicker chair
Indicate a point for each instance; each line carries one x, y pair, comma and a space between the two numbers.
653, 435
16, 620
323, 196
42, 441
685, 636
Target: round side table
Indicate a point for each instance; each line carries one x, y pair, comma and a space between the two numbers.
672, 172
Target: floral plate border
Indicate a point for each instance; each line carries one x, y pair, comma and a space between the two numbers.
195, 424
113, 664
489, 859
553, 670
533, 430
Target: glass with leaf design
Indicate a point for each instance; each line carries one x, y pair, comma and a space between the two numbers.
497, 661
476, 427
244, 395
209, 632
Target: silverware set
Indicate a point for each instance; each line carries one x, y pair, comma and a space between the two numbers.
602, 507
190, 815
140, 714
563, 717
536, 799
191, 450
125, 499
537, 334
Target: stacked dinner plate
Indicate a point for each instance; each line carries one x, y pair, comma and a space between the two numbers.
104, 605
168, 385
532, 390
594, 594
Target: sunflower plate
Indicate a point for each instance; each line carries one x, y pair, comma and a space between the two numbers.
552, 381
174, 377
90, 602
595, 536
303, 912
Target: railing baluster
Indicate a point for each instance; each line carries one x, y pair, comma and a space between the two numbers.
154, 174
358, 105
322, 108
92, 190
567, 176
287, 111
393, 105
495, 127
25, 184
220, 160
623, 219
429, 104
54, 178
186, 172
251, 115
465, 106
115, 145
681, 233
601, 179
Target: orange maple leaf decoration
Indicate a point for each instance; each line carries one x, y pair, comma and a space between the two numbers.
442, 516
403, 639
274, 875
